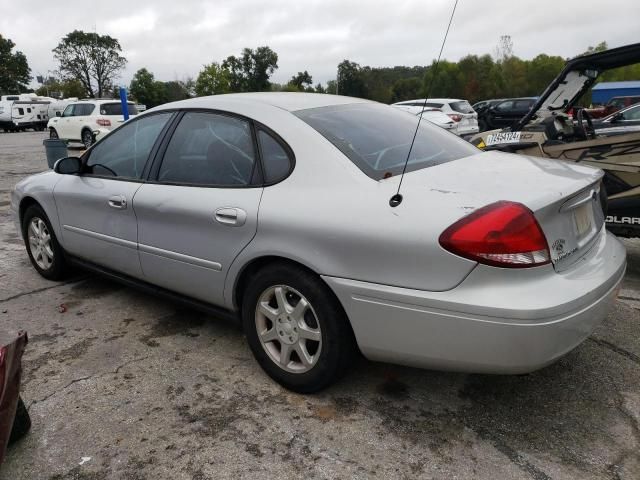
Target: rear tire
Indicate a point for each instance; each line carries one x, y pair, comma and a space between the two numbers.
21, 422
287, 309
45, 253
87, 138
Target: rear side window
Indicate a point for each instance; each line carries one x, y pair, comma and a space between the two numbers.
116, 109
124, 152
83, 109
461, 107
209, 149
377, 138
275, 159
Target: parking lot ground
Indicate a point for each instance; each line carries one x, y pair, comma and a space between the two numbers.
122, 385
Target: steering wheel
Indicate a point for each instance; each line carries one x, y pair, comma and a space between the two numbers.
587, 131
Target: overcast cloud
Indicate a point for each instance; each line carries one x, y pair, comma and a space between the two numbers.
174, 38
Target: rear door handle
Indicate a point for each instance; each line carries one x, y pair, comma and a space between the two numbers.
118, 201
231, 216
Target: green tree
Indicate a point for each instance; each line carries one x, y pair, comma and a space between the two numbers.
332, 87
301, 80
213, 79
92, 59
320, 89
351, 80
176, 90
406, 89
144, 88
14, 69
250, 72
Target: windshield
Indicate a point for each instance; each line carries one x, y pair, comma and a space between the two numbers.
116, 109
377, 138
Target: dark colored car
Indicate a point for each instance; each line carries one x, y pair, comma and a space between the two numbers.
14, 417
481, 106
504, 113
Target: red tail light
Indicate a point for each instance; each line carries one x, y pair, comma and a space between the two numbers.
103, 122
455, 117
503, 234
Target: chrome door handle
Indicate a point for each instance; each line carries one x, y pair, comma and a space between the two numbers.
118, 201
231, 216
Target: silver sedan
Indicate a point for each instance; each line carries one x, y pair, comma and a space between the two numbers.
276, 207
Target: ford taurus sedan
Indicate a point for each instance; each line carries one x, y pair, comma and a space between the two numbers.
276, 207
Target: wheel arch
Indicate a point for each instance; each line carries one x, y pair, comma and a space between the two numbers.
258, 263
254, 265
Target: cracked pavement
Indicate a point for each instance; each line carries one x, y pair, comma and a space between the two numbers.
122, 385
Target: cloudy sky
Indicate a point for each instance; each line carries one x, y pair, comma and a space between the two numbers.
174, 38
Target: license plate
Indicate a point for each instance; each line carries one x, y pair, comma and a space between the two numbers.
583, 217
503, 137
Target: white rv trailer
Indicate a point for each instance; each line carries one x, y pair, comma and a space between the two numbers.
19, 112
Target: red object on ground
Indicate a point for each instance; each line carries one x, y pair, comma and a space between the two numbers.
11, 350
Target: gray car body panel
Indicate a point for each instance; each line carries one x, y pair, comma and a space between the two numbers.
331, 217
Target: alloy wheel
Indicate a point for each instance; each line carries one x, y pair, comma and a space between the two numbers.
40, 243
288, 329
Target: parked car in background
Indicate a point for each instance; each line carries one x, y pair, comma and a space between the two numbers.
479, 107
276, 207
503, 113
439, 118
623, 121
87, 121
435, 116
14, 417
612, 106
459, 111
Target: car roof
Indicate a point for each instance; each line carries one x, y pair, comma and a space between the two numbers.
289, 101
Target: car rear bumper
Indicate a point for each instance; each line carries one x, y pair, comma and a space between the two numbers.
495, 321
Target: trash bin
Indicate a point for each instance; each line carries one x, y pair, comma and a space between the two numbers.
55, 149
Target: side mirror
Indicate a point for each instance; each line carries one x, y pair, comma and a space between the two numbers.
58, 114
68, 166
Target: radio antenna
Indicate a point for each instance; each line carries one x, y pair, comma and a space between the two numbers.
396, 199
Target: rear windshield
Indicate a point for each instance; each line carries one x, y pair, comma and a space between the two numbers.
116, 109
462, 107
377, 138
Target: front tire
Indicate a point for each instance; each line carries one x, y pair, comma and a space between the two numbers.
53, 134
296, 328
21, 422
45, 253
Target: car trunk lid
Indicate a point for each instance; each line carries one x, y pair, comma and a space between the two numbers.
564, 197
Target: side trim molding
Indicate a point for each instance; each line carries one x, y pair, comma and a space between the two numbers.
100, 236
180, 257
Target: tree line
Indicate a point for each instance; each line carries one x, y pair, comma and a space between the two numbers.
89, 65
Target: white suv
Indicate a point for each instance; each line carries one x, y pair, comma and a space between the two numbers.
460, 111
87, 121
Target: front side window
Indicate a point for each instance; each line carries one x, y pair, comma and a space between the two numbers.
377, 138
124, 152
209, 149
505, 106
68, 112
275, 160
632, 114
